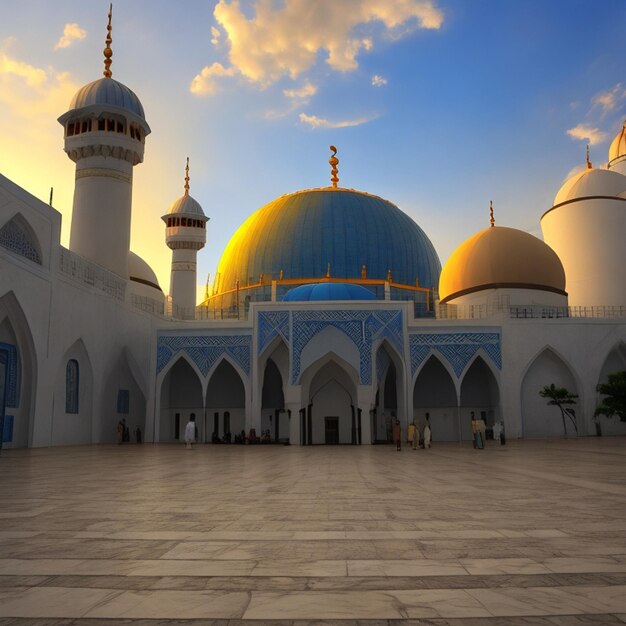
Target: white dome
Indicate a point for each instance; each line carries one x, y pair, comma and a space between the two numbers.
141, 272
185, 205
590, 183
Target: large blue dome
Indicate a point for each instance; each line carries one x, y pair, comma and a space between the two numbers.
300, 234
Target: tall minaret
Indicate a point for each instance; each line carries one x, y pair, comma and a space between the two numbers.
185, 234
105, 131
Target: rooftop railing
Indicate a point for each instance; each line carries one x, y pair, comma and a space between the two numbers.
91, 274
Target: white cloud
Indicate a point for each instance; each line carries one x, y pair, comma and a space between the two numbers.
303, 93
31, 75
378, 80
319, 122
584, 131
71, 33
285, 39
215, 35
205, 84
610, 99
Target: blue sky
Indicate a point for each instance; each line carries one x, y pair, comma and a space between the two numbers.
472, 102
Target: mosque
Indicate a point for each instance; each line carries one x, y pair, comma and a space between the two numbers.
329, 314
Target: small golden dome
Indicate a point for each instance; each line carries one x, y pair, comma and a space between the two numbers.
499, 257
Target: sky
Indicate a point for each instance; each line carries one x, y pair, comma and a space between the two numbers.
438, 106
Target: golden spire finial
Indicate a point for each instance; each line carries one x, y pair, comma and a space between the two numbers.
492, 219
108, 53
334, 161
589, 166
187, 178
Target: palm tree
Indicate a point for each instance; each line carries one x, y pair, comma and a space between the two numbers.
614, 402
560, 396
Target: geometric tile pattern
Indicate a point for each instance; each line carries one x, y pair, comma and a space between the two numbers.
11, 388
15, 238
362, 327
206, 350
272, 324
458, 349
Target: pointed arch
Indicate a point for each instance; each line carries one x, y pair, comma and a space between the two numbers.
123, 398
25, 382
615, 361
18, 236
443, 362
480, 393
539, 420
225, 399
435, 396
329, 392
72, 423
390, 386
180, 393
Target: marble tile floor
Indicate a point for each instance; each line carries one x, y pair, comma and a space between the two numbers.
531, 533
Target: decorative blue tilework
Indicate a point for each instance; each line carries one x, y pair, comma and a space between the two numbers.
206, 350
361, 326
272, 324
456, 348
11, 389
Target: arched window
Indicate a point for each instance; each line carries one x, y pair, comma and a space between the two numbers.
71, 386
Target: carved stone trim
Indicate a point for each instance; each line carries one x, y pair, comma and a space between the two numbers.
104, 172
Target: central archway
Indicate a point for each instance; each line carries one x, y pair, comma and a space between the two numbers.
329, 393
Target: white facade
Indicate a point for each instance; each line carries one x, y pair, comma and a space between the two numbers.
89, 342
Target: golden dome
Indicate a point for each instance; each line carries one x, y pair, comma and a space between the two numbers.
618, 145
499, 257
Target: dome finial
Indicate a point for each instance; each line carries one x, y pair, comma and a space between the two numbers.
589, 166
108, 53
187, 178
492, 219
334, 161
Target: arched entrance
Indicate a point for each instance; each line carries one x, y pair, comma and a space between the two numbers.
389, 401
480, 394
273, 403
434, 395
614, 362
181, 395
17, 341
124, 400
225, 402
538, 418
330, 401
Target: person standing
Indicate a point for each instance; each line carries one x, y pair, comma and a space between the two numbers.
410, 434
190, 432
396, 432
427, 433
476, 432
120, 432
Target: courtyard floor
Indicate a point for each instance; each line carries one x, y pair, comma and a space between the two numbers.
530, 533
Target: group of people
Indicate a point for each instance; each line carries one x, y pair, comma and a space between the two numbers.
123, 433
419, 434
191, 435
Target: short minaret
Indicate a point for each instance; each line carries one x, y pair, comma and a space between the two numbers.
105, 131
185, 234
